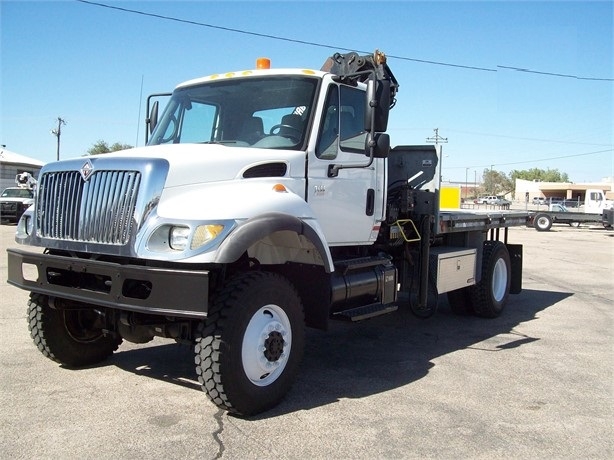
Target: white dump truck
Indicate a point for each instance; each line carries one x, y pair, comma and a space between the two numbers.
265, 200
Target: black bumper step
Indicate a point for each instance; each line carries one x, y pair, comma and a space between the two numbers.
366, 311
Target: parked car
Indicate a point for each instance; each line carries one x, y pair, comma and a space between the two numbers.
14, 201
539, 200
494, 200
501, 202
570, 203
485, 199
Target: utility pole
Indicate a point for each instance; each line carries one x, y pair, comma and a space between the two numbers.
466, 183
492, 182
437, 139
57, 133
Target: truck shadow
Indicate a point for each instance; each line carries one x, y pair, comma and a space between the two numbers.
363, 359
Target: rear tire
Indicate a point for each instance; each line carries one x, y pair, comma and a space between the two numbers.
542, 222
74, 338
249, 349
490, 295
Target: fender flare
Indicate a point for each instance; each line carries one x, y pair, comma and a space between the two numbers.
258, 227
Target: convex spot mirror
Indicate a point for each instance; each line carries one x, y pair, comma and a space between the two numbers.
380, 143
377, 105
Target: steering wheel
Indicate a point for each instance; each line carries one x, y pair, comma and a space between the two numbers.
295, 135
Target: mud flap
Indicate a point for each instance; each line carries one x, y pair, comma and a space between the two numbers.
515, 251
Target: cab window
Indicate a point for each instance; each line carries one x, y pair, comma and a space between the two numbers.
342, 123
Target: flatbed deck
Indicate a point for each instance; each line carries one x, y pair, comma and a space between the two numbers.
461, 220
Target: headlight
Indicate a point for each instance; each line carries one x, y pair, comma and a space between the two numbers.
25, 226
204, 234
179, 237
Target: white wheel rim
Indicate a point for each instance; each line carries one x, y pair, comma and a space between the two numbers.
266, 345
499, 280
542, 222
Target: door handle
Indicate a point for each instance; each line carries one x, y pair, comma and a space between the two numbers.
370, 202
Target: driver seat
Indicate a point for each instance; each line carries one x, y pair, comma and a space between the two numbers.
253, 130
291, 120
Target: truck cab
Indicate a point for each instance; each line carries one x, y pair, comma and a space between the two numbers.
595, 202
290, 124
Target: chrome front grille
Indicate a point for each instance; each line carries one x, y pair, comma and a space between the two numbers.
97, 210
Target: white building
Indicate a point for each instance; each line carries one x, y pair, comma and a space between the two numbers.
527, 190
12, 163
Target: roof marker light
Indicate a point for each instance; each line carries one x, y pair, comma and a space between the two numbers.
263, 63
279, 188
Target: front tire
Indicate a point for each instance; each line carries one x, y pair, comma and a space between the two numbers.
249, 349
72, 337
490, 295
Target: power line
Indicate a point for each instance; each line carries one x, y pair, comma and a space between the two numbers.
533, 160
323, 45
518, 69
534, 139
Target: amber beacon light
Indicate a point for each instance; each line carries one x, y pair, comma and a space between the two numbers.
263, 63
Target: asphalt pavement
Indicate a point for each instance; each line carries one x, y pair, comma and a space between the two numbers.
535, 383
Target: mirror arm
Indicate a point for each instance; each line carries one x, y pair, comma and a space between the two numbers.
333, 170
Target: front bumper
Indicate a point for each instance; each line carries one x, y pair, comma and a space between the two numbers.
12, 210
152, 290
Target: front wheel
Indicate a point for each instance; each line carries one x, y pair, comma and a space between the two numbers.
490, 295
249, 349
72, 337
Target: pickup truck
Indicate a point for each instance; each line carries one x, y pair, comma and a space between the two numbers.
15, 200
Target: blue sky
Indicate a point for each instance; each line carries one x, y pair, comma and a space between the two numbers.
87, 64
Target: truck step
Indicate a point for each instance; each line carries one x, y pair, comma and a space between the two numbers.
344, 266
366, 311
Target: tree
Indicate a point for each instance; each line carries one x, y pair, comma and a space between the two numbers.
536, 174
496, 182
102, 147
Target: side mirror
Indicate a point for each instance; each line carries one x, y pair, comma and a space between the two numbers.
377, 105
380, 142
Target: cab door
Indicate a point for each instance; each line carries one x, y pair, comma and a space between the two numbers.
348, 205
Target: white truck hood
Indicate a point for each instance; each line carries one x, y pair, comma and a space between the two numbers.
202, 163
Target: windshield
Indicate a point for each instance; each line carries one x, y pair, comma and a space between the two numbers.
262, 112
17, 193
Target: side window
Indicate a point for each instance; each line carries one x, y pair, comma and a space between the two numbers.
186, 122
352, 114
328, 141
198, 123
